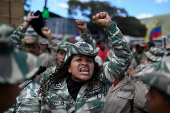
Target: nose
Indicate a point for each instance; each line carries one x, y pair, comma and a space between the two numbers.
63, 56
84, 62
31, 49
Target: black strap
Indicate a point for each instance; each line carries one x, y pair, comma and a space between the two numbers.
28, 82
29, 22
39, 101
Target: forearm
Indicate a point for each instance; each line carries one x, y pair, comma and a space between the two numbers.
86, 37
18, 34
53, 45
119, 62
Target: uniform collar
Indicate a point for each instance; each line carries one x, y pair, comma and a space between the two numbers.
123, 82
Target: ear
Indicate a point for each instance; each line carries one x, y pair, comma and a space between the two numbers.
69, 70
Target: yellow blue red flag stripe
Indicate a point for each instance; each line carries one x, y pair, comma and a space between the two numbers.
154, 32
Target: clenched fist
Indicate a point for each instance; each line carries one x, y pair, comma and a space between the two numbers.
132, 72
81, 25
47, 32
102, 19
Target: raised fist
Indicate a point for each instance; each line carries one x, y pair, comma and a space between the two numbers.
81, 25
47, 32
102, 19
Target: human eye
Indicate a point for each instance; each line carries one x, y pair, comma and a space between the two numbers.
89, 60
78, 59
27, 46
61, 53
34, 47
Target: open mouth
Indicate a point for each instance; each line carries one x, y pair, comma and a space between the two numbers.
61, 62
84, 70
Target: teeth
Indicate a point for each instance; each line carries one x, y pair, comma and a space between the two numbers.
84, 70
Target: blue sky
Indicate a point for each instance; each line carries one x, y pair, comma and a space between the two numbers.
137, 8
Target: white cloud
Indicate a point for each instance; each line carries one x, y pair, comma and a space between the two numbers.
141, 16
64, 5
160, 1
118, 1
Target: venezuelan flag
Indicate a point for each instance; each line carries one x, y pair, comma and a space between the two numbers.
154, 32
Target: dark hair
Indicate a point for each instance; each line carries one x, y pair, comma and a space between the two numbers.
62, 72
38, 45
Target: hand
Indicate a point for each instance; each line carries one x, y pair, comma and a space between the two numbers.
47, 32
31, 16
131, 72
81, 25
102, 19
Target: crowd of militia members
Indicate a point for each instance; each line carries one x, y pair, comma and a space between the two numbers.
49, 75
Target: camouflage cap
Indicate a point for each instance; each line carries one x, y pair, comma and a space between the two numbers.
160, 78
63, 46
59, 45
30, 32
82, 48
155, 54
15, 65
43, 40
30, 40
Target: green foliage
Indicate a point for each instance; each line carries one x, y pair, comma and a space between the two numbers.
165, 23
130, 26
90, 8
26, 5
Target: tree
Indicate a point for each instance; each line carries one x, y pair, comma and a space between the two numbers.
26, 5
130, 26
90, 8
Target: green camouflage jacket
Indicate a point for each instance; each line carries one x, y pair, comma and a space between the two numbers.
147, 67
58, 99
28, 98
18, 34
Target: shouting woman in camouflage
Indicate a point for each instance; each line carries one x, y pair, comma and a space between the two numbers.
80, 85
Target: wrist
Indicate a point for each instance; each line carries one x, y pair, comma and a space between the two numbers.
25, 23
108, 24
84, 31
29, 22
50, 36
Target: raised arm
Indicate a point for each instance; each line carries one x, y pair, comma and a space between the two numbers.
18, 34
119, 62
53, 42
85, 33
